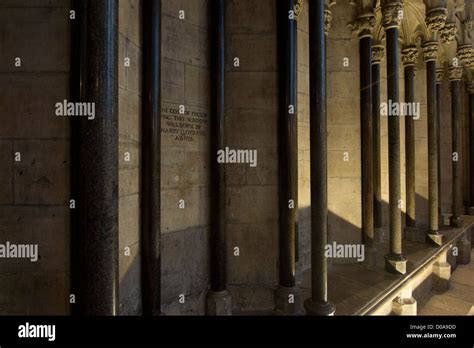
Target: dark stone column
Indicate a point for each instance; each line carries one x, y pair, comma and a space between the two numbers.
395, 262
365, 53
377, 55
99, 165
455, 75
319, 20
219, 297
288, 157
151, 159
363, 26
470, 90
439, 80
430, 55
77, 94
409, 58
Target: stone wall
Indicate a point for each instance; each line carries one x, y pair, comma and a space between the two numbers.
130, 81
34, 189
185, 155
251, 123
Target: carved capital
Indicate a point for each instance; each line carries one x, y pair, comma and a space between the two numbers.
455, 73
378, 52
466, 55
448, 32
439, 75
327, 21
409, 56
430, 51
363, 25
298, 9
392, 14
436, 19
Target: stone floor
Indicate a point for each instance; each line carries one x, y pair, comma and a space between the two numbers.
354, 288
458, 300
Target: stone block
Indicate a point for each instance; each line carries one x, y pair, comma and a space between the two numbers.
173, 81
34, 94
173, 258
441, 276
434, 239
343, 137
255, 128
251, 60
198, 86
464, 251
238, 19
25, 34
288, 301
134, 71
6, 172
122, 53
42, 175
257, 90
252, 204
395, 264
257, 245
195, 271
130, 274
130, 20
129, 116
404, 306
129, 220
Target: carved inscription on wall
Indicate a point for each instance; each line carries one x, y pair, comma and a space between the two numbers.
183, 123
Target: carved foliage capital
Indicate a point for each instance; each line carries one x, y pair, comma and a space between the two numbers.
392, 14
409, 56
466, 55
455, 73
448, 32
436, 19
378, 52
439, 75
363, 25
430, 51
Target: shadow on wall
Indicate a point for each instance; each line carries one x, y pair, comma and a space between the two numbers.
184, 270
352, 233
185, 263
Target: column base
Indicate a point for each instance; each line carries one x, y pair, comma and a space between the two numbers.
464, 251
404, 306
456, 221
396, 264
288, 300
434, 238
470, 211
219, 303
441, 276
414, 234
320, 308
